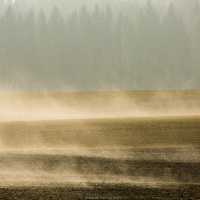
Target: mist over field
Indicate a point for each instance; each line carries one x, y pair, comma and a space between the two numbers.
75, 140
94, 105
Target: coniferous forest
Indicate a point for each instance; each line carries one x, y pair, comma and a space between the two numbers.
99, 47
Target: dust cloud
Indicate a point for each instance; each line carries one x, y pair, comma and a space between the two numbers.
89, 167
42, 143
83, 105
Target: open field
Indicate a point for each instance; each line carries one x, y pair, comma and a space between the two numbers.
141, 158
108, 192
164, 173
102, 145
145, 167
102, 133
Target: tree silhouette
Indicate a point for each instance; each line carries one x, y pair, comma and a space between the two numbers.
103, 47
177, 50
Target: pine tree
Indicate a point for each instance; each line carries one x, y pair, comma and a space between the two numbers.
177, 50
120, 34
9, 30
108, 48
29, 42
57, 46
196, 47
97, 44
73, 51
149, 31
43, 48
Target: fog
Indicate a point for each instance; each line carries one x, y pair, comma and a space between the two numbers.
59, 46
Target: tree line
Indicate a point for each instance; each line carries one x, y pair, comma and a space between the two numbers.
99, 49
